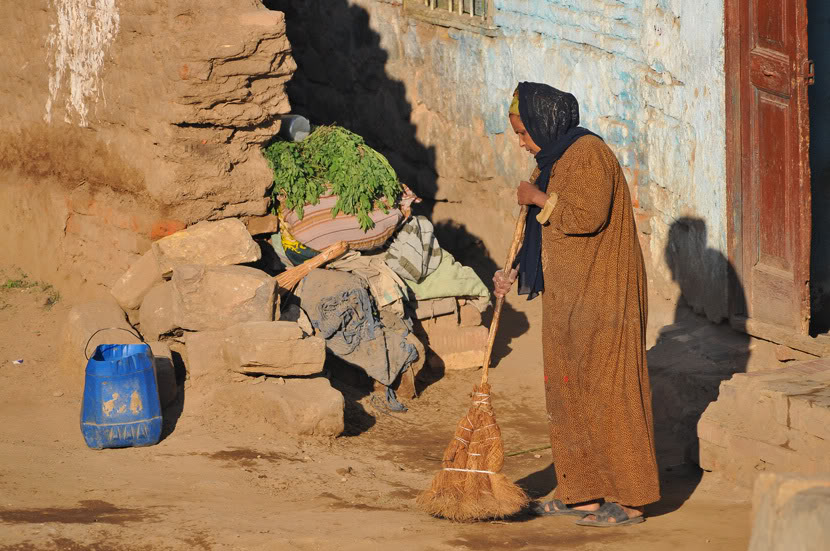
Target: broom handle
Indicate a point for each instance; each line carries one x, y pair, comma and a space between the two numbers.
295, 274
518, 236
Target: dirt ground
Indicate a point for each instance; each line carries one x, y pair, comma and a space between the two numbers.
217, 481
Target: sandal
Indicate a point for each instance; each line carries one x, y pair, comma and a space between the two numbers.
609, 511
557, 508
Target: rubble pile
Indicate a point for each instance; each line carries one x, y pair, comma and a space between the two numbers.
205, 298
190, 294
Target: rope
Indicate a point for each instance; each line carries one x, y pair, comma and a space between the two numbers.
485, 401
468, 470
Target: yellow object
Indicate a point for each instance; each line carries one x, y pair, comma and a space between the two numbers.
547, 210
288, 241
514, 105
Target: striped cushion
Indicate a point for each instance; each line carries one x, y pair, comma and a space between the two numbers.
414, 253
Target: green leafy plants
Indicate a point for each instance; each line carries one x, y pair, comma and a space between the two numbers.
23, 283
20, 283
333, 161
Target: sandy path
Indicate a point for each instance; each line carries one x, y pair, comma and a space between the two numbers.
219, 483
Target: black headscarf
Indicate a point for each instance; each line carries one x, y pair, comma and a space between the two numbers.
551, 117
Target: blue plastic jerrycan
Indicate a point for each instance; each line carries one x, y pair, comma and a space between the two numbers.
121, 400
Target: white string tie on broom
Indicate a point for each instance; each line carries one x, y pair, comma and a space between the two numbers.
468, 470
485, 400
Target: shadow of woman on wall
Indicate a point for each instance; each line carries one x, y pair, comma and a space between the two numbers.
692, 356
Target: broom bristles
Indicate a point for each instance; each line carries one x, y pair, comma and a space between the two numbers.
470, 485
292, 276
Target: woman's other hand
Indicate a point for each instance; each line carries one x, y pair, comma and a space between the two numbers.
502, 283
528, 194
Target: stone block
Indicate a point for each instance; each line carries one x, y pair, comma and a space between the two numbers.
156, 316
810, 413
165, 373
430, 326
458, 347
296, 406
772, 421
205, 355
786, 354
223, 243
458, 339
274, 348
468, 316
209, 297
424, 309
133, 286
262, 225
89, 325
790, 512
468, 359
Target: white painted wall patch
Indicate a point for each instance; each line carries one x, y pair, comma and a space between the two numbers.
77, 45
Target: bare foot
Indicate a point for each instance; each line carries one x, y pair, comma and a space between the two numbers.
590, 506
587, 506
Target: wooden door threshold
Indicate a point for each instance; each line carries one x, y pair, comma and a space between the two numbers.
818, 346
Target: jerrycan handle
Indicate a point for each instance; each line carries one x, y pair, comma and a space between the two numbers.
86, 346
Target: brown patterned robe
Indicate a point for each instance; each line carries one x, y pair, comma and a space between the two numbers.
593, 334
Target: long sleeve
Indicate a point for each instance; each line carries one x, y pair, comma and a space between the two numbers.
585, 196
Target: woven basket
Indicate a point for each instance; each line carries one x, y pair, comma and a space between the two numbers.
318, 230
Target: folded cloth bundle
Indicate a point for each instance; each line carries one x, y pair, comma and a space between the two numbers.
452, 279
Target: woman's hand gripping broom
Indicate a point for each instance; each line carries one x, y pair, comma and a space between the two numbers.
470, 485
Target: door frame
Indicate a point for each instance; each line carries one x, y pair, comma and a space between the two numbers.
733, 25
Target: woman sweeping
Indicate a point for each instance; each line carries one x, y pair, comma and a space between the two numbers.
582, 253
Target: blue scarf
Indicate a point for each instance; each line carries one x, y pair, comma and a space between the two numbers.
551, 118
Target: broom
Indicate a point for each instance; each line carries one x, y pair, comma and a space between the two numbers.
470, 485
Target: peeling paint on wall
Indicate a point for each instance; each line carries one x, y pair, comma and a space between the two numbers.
77, 45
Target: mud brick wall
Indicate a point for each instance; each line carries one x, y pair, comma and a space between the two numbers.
125, 120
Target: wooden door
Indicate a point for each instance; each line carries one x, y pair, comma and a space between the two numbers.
770, 209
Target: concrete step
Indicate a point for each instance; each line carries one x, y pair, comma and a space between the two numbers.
777, 421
